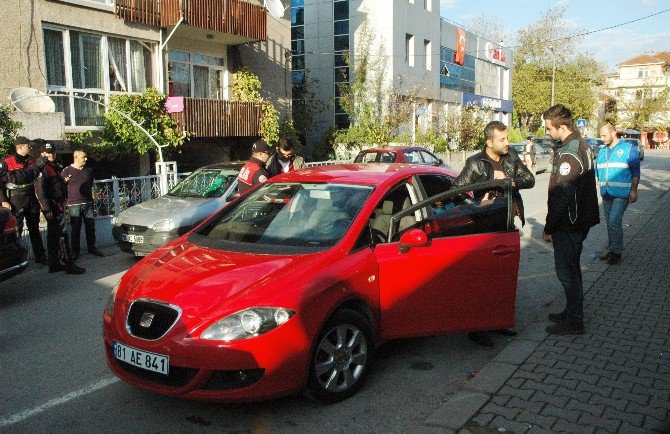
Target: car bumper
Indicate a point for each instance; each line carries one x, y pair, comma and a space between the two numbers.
151, 240
14, 259
273, 364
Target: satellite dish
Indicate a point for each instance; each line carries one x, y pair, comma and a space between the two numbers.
29, 100
275, 7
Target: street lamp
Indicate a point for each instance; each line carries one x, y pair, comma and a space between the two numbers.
553, 73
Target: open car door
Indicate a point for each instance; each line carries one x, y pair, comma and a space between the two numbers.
454, 271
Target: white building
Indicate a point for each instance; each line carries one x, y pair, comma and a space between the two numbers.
419, 48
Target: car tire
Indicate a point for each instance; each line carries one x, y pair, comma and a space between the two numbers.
341, 357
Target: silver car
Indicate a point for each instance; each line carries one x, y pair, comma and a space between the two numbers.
143, 228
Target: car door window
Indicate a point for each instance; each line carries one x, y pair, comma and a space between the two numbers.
429, 158
399, 198
413, 157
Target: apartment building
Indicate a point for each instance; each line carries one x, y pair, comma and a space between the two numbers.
426, 57
187, 49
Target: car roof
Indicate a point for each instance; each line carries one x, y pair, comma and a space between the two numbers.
396, 149
360, 173
227, 165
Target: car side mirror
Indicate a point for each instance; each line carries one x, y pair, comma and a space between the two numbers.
412, 238
438, 163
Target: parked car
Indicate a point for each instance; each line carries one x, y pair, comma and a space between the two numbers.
640, 148
13, 252
399, 154
595, 144
293, 285
542, 156
144, 227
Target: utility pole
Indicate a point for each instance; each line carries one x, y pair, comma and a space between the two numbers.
553, 73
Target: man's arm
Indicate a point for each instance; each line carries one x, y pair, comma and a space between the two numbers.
467, 175
40, 192
523, 176
634, 167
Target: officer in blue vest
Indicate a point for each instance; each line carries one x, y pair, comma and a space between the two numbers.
618, 173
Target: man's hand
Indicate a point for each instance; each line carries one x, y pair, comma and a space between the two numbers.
546, 237
633, 196
41, 162
7, 205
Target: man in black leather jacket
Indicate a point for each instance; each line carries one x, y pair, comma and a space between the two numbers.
496, 161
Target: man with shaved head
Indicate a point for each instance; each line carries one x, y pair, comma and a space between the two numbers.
618, 173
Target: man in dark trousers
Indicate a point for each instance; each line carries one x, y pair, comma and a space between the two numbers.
572, 209
79, 179
17, 192
52, 194
254, 173
284, 160
496, 162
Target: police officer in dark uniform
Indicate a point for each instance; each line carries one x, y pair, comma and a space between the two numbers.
18, 172
254, 173
51, 192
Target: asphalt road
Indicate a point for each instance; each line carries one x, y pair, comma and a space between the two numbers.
53, 377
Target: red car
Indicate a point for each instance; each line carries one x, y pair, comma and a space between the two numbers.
399, 154
293, 285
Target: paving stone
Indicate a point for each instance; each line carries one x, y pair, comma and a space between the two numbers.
522, 373
517, 351
560, 412
590, 388
501, 399
533, 406
515, 382
651, 423
598, 422
558, 401
627, 428
581, 406
535, 419
634, 419
457, 409
588, 378
540, 369
658, 413
619, 404
646, 382
506, 412
509, 425
482, 419
565, 382
626, 387
519, 393
565, 426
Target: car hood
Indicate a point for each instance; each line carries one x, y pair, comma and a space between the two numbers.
200, 280
183, 211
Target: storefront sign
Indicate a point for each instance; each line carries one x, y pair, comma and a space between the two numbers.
174, 104
488, 103
495, 55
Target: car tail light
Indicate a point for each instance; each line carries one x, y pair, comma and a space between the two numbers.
10, 226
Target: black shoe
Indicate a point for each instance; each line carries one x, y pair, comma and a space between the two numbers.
74, 269
481, 338
96, 252
506, 332
605, 256
56, 268
41, 260
565, 328
614, 259
558, 317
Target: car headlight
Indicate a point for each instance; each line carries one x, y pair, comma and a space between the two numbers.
247, 323
109, 308
165, 225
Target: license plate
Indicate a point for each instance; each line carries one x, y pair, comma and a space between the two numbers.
142, 359
139, 239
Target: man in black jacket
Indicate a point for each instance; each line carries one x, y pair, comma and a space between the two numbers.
52, 193
572, 209
496, 162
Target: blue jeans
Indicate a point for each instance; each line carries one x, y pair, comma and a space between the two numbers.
614, 208
78, 214
567, 250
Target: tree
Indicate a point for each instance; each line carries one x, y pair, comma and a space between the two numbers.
8, 128
649, 110
491, 27
247, 88
538, 46
305, 106
465, 125
121, 137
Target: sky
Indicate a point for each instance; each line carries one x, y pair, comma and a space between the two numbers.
609, 47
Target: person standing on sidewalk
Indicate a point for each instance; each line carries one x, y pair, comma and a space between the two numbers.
284, 160
618, 173
496, 162
17, 192
572, 209
79, 179
529, 154
51, 192
253, 173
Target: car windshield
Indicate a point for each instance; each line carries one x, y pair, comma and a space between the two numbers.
205, 183
375, 157
284, 215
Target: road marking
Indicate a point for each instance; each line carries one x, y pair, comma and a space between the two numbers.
21, 416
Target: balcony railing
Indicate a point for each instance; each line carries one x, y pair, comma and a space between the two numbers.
219, 118
235, 17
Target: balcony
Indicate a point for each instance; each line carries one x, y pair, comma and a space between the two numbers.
219, 118
233, 17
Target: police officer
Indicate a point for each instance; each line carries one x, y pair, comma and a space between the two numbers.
52, 195
18, 172
254, 173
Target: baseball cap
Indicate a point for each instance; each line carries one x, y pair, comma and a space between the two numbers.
21, 140
260, 146
48, 147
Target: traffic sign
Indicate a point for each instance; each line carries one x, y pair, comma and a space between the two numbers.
581, 122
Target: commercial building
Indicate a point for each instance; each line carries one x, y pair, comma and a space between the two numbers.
75, 49
426, 57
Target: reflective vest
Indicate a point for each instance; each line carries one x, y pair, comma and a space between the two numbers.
614, 175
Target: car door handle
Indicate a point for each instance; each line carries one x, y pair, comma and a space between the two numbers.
503, 250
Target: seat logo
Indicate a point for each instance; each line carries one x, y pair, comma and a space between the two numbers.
147, 319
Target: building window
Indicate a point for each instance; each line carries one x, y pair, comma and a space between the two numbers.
409, 49
93, 66
341, 51
196, 75
429, 56
643, 73
297, 50
454, 76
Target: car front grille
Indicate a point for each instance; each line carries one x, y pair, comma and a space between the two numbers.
150, 320
134, 228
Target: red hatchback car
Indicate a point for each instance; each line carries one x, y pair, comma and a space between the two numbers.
293, 285
399, 154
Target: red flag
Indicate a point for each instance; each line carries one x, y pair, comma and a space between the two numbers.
459, 55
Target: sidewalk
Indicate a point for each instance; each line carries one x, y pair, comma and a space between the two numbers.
614, 378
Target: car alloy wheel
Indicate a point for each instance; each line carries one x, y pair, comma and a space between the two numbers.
341, 357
